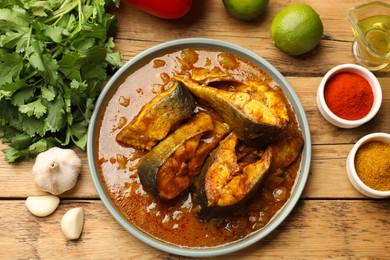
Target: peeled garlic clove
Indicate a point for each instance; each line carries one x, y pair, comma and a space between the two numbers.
72, 223
42, 206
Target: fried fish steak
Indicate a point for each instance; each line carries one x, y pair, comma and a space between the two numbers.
157, 118
224, 184
255, 112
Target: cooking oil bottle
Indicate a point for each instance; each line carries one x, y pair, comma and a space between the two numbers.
371, 28
377, 32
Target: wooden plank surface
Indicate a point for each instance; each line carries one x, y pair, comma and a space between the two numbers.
315, 229
332, 220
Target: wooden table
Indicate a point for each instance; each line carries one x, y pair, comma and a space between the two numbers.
331, 220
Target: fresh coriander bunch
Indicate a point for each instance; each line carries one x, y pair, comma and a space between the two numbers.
54, 55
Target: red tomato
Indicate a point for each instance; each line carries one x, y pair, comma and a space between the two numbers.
168, 9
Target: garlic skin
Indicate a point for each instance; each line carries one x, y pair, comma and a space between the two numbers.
56, 170
72, 223
42, 206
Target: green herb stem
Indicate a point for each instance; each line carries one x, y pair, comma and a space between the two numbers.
56, 15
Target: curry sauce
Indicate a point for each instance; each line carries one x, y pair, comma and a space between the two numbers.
174, 221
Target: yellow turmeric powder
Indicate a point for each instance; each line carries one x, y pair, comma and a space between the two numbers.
372, 163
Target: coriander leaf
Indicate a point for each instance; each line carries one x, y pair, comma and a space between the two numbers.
35, 108
22, 43
5, 94
68, 22
4, 113
33, 126
95, 71
39, 8
83, 43
7, 3
34, 53
81, 142
54, 33
22, 97
114, 59
78, 130
109, 44
16, 16
12, 155
48, 93
56, 118
41, 145
13, 86
42, 62
10, 120
11, 64
78, 88
10, 38
70, 66
8, 133
21, 141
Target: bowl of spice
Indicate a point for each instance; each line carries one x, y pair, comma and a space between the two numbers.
368, 165
349, 95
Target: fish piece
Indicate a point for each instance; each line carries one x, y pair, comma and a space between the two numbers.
255, 112
224, 184
287, 148
205, 76
265, 105
157, 118
209, 141
170, 167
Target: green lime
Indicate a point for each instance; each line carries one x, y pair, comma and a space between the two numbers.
246, 9
296, 29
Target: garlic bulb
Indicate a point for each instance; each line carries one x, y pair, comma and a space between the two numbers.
56, 170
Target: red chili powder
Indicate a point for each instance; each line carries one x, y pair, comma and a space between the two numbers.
349, 96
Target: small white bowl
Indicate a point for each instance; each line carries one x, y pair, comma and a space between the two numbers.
351, 170
361, 71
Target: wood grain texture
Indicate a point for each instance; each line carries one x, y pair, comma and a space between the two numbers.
332, 220
209, 19
316, 228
